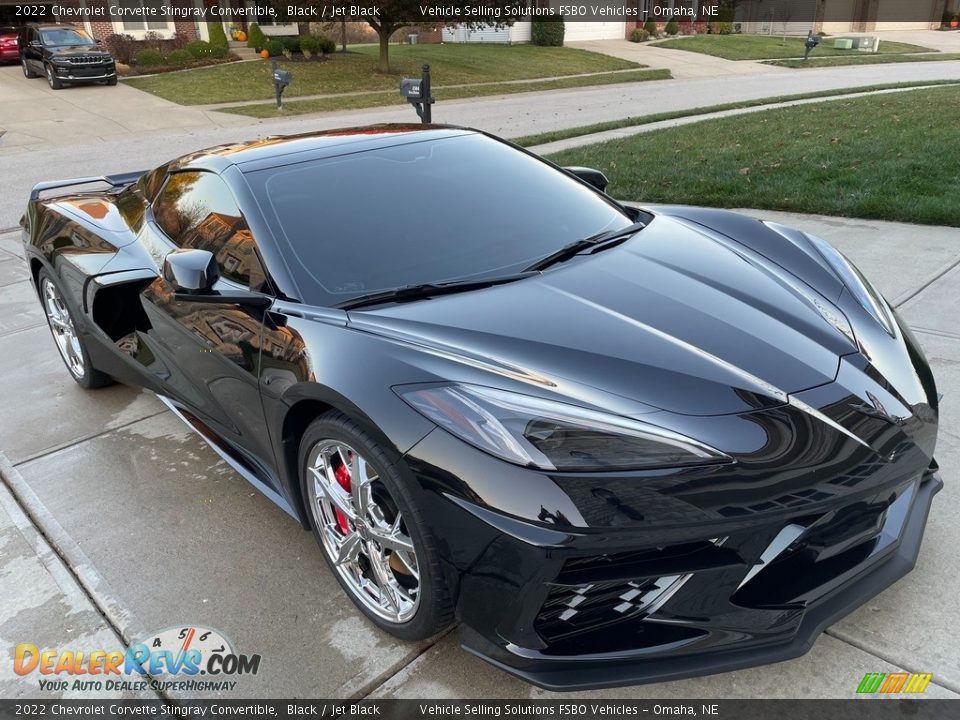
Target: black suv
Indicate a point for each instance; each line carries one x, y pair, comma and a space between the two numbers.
64, 54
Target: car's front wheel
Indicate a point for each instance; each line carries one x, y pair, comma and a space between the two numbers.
52, 80
27, 72
370, 530
68, 340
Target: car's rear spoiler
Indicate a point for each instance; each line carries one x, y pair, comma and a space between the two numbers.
112, 180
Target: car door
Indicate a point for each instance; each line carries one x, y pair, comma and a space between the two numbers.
31, 51
207, 354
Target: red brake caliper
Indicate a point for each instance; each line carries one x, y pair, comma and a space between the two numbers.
343, 479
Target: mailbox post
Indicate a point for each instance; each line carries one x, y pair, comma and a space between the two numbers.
811, 42
281, 78
417, 93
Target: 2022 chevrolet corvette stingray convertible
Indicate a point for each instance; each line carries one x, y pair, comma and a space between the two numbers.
616, 445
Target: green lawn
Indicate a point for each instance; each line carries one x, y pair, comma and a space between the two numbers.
887, 156
815, 62
564, 133
451, 64
346, 102
764, 47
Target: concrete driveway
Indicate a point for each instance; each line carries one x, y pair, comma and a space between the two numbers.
34, 116
159, 532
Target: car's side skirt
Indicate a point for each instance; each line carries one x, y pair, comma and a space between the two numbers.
220, 447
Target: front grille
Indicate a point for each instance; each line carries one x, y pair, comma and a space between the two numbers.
574, 609
86, 59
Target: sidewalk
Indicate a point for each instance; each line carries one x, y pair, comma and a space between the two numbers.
161, 532
43, 604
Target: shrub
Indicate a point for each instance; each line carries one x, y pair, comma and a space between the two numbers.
309, 46
274, 47
291, 43
200, 49
179, 57
548, 33
219, 51
651, 27
672, 28
218, 38
148, 57
639, 35
327, 45
122, 47
255, 37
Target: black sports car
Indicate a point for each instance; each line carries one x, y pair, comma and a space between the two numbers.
615, 445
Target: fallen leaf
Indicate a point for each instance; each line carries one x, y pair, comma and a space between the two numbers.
745, 171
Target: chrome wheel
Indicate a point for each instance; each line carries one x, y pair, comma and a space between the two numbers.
61, 325
362, 531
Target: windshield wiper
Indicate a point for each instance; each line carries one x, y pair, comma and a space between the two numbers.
425, 290
600, 241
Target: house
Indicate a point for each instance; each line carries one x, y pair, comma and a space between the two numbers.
838, 16
181, 20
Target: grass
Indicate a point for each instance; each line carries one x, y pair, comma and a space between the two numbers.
815, 62
765, 47
886, 157
450, 64
347, 102
555, 135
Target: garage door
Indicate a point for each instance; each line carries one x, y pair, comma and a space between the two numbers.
904, 14
574, 31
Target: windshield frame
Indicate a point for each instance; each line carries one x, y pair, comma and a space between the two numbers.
309, 289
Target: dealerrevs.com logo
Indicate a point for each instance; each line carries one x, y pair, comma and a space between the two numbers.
894, 683
184, 659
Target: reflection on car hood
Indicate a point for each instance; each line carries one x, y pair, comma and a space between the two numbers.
78, 50
678, 318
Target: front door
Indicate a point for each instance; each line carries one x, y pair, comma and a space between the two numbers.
207, 354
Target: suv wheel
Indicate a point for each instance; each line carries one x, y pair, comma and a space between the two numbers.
52, 80
27, 72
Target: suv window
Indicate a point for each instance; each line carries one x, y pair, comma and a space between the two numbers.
197, 210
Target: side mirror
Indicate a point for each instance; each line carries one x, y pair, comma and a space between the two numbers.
191, 271
590, 176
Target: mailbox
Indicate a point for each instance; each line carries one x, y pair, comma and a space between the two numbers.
417, 93
410, 88
811, 42
281, 78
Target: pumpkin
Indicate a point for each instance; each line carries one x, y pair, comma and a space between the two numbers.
241, 36
264, 54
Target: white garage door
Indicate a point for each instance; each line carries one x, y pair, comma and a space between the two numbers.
574, 31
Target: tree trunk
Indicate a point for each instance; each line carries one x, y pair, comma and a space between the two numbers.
384, 64
343, 35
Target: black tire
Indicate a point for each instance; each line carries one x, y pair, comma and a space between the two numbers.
52, 80
112, 81
91, 378
434, 612
24, 65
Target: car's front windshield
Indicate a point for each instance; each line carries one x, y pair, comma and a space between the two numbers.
56, 37
446, 209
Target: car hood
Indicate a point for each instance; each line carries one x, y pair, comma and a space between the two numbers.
679, 318
68, 50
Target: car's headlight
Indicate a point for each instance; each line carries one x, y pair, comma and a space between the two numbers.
855, 282
551, 435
